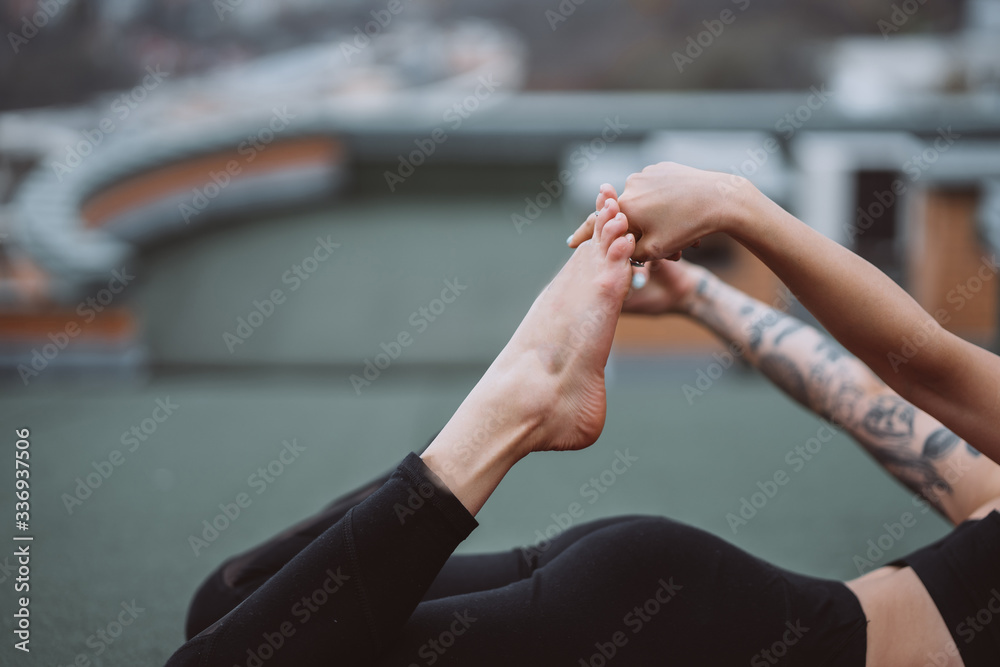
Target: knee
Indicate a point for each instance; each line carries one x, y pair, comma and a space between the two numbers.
662, 542
213, 599
651, 529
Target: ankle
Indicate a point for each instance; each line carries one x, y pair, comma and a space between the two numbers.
528, 388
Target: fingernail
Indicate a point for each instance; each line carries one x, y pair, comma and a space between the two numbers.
569, 240
630, 237
638, 280
607, 202
606, 186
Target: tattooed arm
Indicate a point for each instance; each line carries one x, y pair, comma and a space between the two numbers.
670, 207
815, 371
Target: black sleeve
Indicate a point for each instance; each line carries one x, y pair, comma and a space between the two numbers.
346, 595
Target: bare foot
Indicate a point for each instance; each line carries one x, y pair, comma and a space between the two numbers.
545, 390
564, 341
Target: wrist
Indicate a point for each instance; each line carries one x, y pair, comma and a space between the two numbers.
743, 214
699, 294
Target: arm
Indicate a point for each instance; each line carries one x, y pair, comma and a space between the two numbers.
815, 371
670, 206
871, 315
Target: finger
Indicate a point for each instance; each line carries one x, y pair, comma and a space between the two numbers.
675, 257
647, 250
696, 244
644, 250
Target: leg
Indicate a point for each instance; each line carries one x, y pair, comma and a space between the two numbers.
372, 567
643, 591
482, 572
237, 578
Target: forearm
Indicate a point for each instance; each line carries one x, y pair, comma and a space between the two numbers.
858, 304
815, 371
802, 362
955, 381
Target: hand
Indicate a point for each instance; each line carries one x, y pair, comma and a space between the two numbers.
668, 289
586, 230
670, 207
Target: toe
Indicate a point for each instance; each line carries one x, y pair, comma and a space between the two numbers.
607, 192
584, 232
588, 228
608, 212
621, 248
615, 228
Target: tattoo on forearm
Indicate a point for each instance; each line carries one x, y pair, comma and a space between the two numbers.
834, 392
766, 320
833, 351
972, 450
939, 443
783, 372
792, 326
891, 417
913, 470
830, 381
890, 422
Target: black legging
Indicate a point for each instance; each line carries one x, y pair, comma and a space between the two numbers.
376, 584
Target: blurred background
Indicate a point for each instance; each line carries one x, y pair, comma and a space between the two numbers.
220, 221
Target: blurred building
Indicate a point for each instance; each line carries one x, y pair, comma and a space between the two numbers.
207, 187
